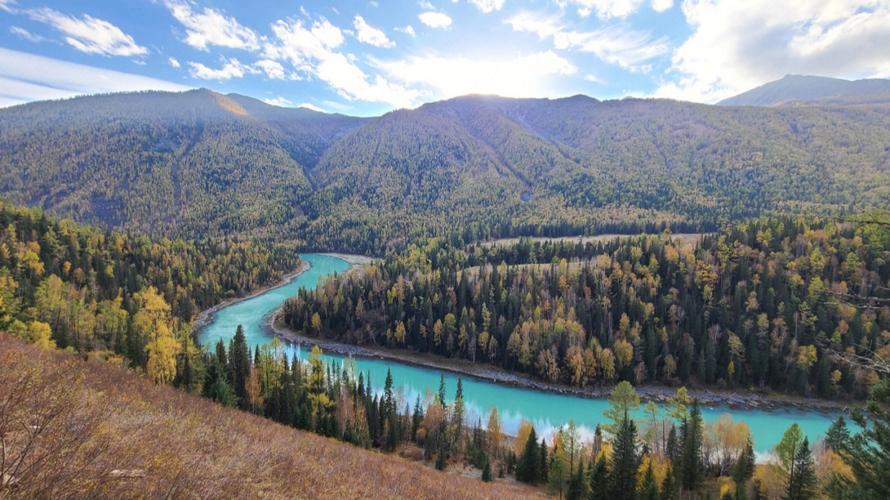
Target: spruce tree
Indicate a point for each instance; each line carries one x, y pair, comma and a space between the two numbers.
648, 488
802, 477
528, 463
625, 462
743, 470
486, 470
669, 486
599, 479
690, 450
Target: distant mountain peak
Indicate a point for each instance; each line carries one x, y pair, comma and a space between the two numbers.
812, 90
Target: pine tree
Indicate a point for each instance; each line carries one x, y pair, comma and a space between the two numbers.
577, 489
669, 486
648, 488
690, 448
625, 462
239, 366
486, 470
599, 479
743, 469
867, 452
527, 466
802, 478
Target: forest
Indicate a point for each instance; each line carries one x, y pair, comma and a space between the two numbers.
776, 303
121, 297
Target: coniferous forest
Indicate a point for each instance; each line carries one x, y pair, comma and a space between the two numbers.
767, 303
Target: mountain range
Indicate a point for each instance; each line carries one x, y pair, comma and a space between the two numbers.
199, 163
807, 90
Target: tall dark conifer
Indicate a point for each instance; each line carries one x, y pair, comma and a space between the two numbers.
625, 461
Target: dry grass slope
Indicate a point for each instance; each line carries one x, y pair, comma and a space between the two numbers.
94, 430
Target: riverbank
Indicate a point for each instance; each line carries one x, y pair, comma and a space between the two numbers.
737, 399
204, 316
354, 260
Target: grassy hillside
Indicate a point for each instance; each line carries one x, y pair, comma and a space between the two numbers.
98, 430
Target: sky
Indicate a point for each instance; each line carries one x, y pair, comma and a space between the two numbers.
369, 57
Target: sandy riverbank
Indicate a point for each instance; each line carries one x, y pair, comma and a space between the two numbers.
355, 260
740, 399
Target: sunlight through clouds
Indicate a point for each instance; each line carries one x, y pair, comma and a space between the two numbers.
448, 76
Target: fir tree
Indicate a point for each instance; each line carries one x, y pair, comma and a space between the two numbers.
690, 448
599, 479
743, 469
625, 461
648, 488
802, 477
527, 465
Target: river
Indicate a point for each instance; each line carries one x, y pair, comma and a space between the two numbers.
546, 409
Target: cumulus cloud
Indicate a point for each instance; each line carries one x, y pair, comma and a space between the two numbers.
231, 68
606, 9
626, 48
89, 34
435, 19
313, 51
28, 77
272, 69
444, 77
662, 5
488, 6
207, 27
172, 61
370, 35
737, 45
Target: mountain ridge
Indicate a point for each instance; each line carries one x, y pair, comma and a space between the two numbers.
199, 163
810, 89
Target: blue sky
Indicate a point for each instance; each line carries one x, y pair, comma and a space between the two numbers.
366, 58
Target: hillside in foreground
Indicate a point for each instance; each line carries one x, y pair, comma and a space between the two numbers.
98, 430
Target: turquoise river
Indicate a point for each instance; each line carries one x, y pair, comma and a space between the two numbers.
546, 409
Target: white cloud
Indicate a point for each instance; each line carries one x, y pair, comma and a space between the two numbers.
312, 107
425, 4
279, 101
371, 35
408, 30
606, 9
536, 23
172, 61
444, 77
488, 6
617, 45
312, 51
594, 79
89, 34
7, 5
231, 68
26, 35
662, 5
272, 69
738, 45
435, 19
27, 77
211, 27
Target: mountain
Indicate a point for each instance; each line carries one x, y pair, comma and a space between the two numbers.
798, 89
200, 163
189, 163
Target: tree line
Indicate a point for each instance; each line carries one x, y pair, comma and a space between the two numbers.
121, 297
638, 452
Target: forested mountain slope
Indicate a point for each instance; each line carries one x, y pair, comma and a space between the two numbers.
199, 163
804, 89
178, 164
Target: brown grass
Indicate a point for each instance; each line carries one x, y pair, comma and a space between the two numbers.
74, 428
